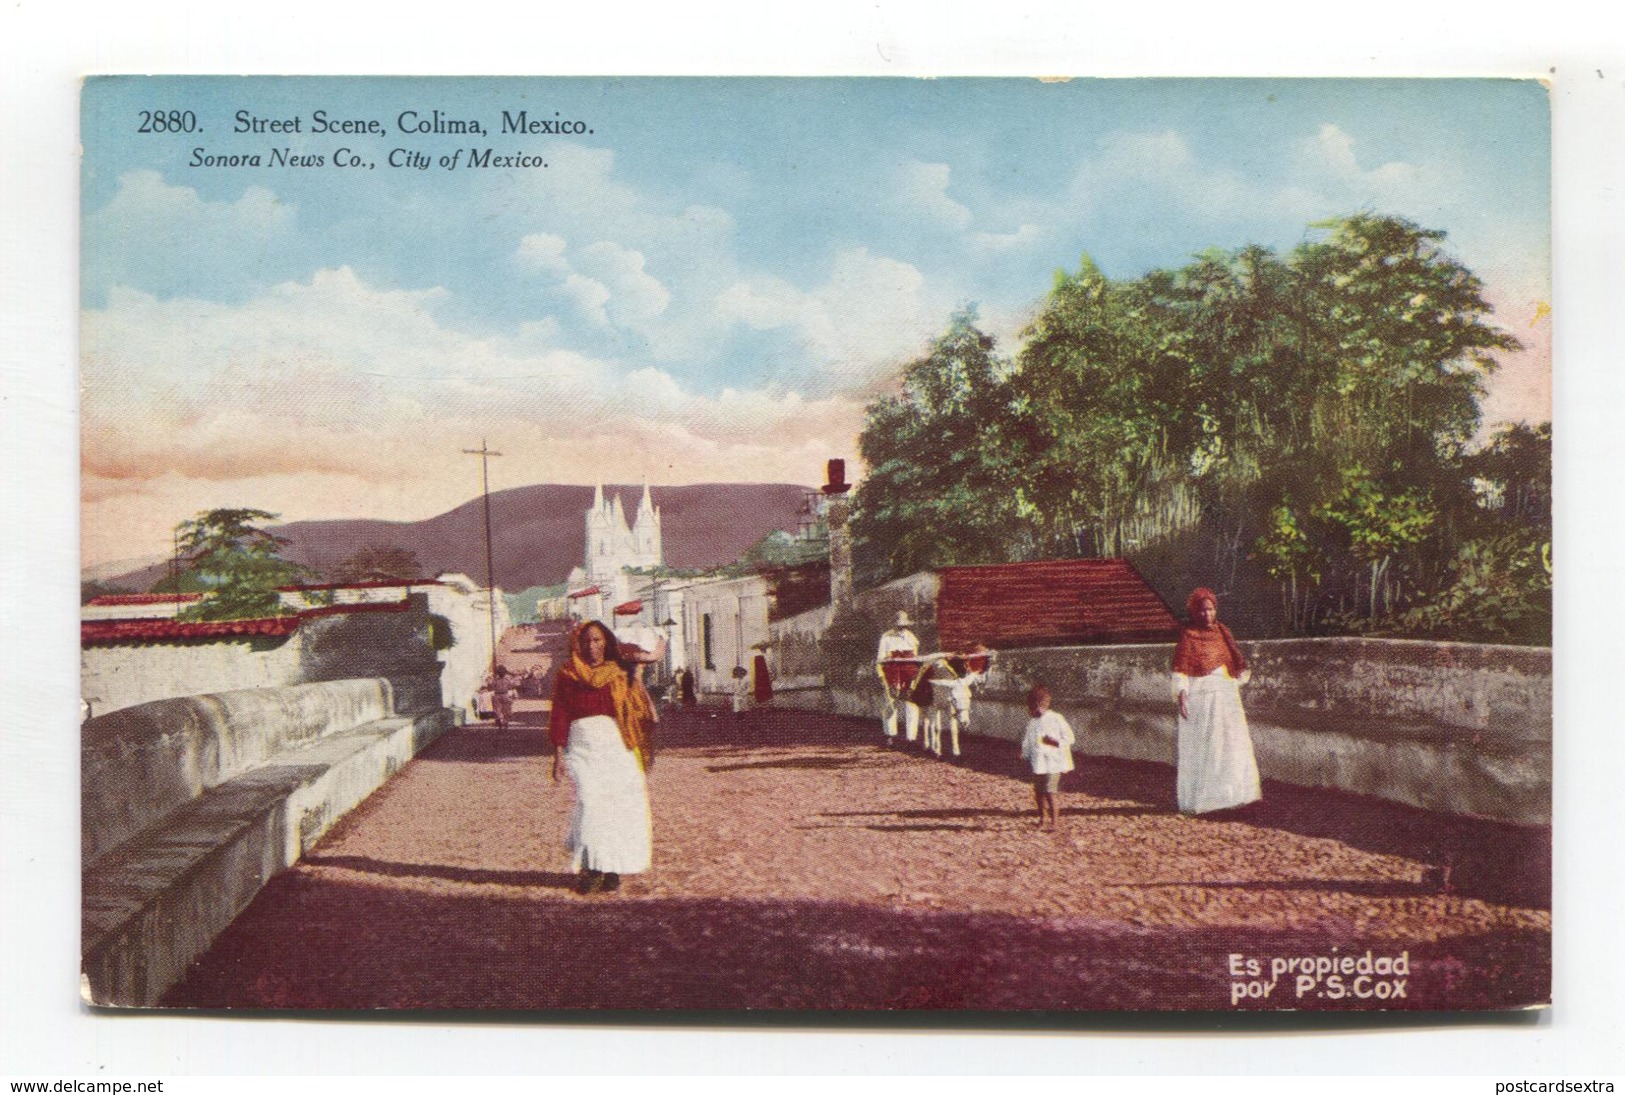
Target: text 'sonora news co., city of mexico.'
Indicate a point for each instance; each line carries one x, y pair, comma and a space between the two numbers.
873, 544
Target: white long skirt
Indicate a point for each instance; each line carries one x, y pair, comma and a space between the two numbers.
609, 827
1217, 769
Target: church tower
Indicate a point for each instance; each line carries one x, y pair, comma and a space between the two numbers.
646, 532
613, 546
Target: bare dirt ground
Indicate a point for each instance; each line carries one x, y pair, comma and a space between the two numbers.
797, 865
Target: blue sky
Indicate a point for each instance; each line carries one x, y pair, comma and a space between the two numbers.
709, 285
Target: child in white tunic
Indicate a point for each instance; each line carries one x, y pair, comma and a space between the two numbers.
1047, 747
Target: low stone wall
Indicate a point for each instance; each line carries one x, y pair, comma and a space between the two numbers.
191, 804
1458, 728
143, 762
824, 646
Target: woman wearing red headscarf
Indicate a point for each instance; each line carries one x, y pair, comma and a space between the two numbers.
600, 731
1217, 769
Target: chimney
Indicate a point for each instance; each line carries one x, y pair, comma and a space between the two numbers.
837, 510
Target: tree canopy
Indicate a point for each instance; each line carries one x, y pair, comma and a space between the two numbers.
1295, 430
237, 563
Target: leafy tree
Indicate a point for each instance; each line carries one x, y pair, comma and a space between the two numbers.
1299, 424
1376, 526
375, 563
1500, 591
1513, 474
942, 487
238, 563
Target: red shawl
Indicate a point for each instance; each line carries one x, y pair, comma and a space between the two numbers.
1201, 650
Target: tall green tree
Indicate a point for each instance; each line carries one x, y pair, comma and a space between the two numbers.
942, 487
239, 563
1292, 427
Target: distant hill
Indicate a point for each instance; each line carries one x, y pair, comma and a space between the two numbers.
539, 532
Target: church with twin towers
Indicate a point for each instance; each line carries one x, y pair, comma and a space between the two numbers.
615, 546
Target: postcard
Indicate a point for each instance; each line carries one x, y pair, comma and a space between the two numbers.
837, 544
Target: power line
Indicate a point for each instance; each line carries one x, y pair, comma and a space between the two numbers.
485, 454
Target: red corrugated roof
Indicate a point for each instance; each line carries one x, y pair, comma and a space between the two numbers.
629, 608
111, 599
588, 592
1054, 602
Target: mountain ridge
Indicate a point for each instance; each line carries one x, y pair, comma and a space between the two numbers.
539, 531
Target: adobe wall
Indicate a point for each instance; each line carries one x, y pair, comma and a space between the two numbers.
1453, 727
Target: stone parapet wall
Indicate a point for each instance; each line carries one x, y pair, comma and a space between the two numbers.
143, 762
191, 804
1453, 727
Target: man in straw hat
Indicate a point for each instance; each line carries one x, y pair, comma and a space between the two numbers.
896, 663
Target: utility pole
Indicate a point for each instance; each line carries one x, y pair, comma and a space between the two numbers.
485, 454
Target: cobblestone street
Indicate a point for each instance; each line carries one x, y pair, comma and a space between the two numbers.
797, 865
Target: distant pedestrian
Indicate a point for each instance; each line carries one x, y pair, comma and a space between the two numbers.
503, 687
1217, 769
687, 688
741, 691
1047, 748
761, 682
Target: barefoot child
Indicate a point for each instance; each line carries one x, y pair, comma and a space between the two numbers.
1047, 746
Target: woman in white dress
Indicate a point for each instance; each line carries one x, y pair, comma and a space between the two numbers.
1217, 769
600, 731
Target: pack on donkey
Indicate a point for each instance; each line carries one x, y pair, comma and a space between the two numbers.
947, 681
926, 690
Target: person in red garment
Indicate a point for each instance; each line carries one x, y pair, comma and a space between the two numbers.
600, 732
1217, 769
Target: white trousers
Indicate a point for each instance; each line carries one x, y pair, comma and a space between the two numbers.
911, 716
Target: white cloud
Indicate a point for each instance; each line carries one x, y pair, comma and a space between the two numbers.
542, 251
1327, 163
923, 190
155, 236
636, 297
1028, 235
587, 297
333, 398
871, 313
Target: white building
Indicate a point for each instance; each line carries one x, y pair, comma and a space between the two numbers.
725, 624
614, 547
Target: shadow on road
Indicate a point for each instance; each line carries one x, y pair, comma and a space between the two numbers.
558, 880
1471, 857
528, 951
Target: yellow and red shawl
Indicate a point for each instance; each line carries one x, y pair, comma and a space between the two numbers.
633, 715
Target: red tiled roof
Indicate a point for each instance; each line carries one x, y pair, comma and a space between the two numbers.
110, 599
108, 632
1054, 602
165, 630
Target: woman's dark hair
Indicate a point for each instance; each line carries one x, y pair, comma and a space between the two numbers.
612, 646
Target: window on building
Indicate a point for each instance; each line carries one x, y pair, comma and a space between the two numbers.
705, 639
